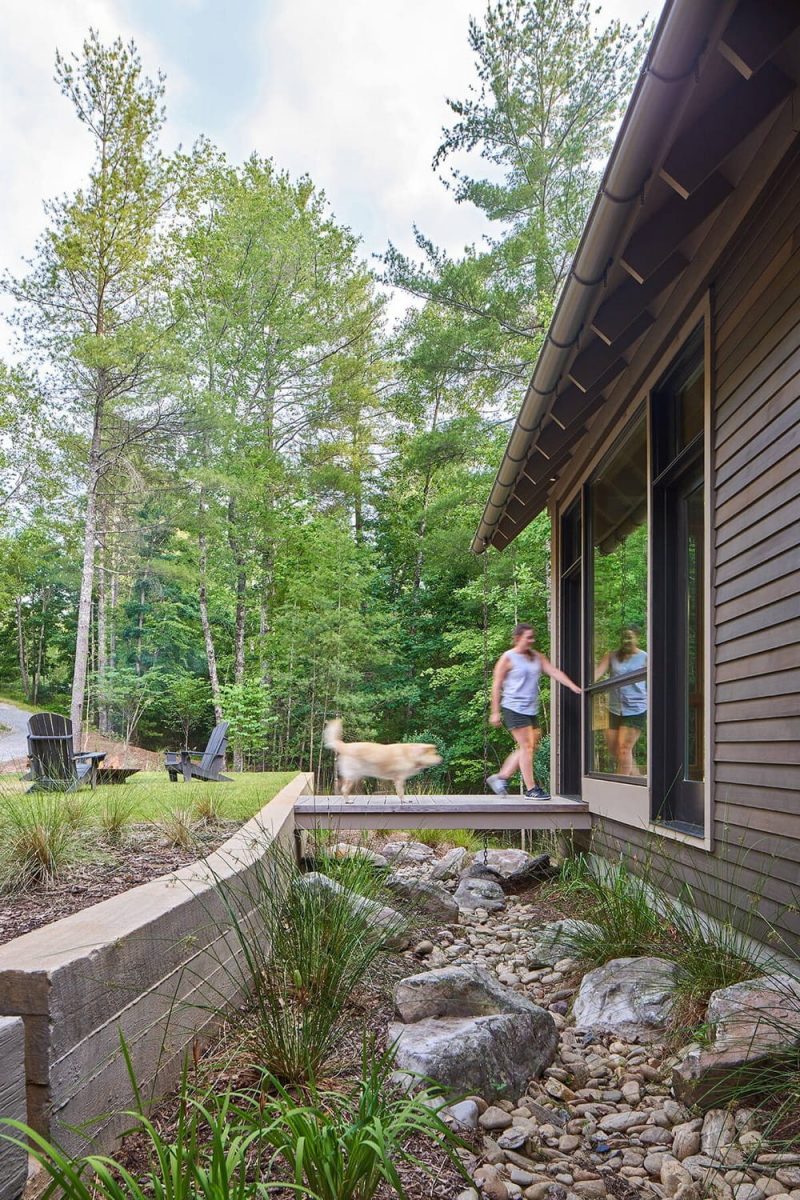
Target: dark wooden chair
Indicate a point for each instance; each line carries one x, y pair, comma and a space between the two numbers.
212, 759
55, 766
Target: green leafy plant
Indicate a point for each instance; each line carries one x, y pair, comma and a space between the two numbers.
344, 1145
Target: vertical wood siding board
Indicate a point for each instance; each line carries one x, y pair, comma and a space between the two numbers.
756, 393
781, 543
740, 628
759, 509
773, 523
767, 637
781, 419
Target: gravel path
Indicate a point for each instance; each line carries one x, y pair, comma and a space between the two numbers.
13, 744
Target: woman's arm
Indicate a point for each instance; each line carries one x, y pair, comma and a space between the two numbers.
501, 669
554, 673
603, 665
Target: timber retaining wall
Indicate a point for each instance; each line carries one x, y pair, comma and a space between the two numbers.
155, 965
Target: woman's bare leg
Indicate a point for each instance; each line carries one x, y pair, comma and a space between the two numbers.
628, 737
612, 741
510, 766
525, 740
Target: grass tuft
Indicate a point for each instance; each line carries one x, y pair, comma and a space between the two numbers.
39, 838
177, 828
115, 816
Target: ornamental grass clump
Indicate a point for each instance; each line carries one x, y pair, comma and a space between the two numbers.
115, 817
616, 905
39, 839
305, 944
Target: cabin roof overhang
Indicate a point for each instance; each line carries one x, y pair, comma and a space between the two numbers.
717, 74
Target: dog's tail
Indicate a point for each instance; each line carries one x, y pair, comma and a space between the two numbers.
332, 734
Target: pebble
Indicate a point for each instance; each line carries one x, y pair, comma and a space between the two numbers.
495, 1117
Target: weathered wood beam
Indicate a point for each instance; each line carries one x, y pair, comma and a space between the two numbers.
756, 31
599, 357
717, 131
574, 405
627, 301
656, 239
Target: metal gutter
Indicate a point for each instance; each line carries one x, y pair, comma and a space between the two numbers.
669, 72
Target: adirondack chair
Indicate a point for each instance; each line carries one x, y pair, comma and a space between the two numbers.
55, 766
212, 759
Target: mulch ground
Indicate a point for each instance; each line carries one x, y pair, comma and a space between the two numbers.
112, 869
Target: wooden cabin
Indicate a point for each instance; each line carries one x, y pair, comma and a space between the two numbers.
661, 430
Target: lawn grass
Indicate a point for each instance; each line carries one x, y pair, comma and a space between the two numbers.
151, 796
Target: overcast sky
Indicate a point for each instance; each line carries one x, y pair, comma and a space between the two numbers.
350, 91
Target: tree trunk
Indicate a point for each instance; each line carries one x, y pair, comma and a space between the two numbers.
87, 583
241, 614
102, 645
23, 664
140, 628
208, 637
37, 678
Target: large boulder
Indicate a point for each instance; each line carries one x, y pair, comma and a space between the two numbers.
460, 1027
515, 867
426, 897
406, 853
632, 997
479, 893
557, 940
392, 924
753, 1022
449, 864
348, 850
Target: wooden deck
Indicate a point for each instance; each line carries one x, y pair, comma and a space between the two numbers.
383, 811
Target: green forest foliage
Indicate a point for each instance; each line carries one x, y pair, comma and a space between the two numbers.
229, 484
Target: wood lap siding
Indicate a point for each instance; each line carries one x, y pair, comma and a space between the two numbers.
756, 549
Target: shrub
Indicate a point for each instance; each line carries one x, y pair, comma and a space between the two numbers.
469, 839
39, 839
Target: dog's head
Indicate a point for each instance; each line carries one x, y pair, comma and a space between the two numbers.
428, 755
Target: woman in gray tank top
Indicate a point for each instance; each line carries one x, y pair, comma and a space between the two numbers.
627, 702
515, 704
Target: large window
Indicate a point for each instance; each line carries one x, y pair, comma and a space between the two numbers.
617, 614
677, 421
570, 705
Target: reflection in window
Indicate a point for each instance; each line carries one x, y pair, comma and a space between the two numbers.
618, 699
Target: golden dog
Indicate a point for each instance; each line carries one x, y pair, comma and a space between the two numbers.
396, 762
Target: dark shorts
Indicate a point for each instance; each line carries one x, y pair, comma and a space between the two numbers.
633, 720
515, 720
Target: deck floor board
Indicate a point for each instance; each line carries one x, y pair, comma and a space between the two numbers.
386, 811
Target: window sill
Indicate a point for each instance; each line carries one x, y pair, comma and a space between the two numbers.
682, 831
637, 780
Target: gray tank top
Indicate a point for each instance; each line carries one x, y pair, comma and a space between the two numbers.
630, 699
521, 683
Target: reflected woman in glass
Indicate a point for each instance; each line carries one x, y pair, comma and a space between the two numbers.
627, 703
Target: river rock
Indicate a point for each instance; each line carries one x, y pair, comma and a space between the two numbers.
460, 1027
407, 852
449, 864
479, 893
395, 926
557, 940
425, 897
753, 1021
516, 867
348, 850
631, 997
